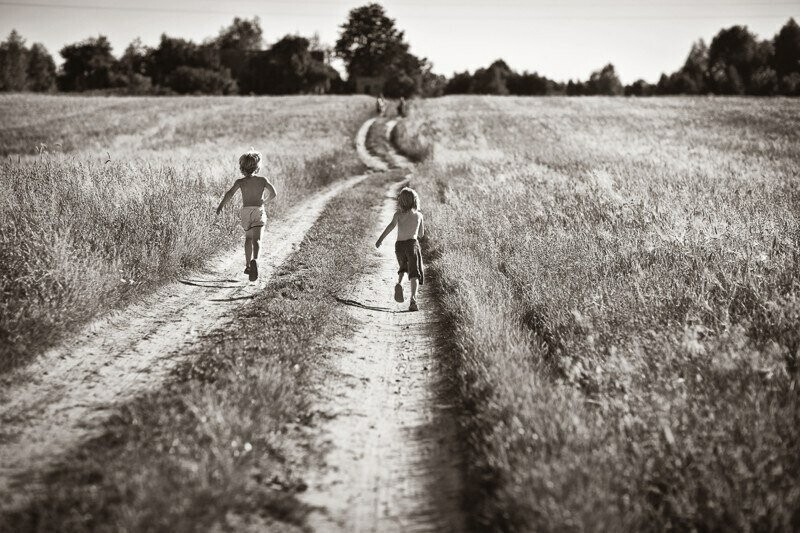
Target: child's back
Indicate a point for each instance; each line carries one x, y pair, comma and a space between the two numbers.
408, 224
252, 188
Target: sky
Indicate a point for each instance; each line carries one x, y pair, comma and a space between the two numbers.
562, 40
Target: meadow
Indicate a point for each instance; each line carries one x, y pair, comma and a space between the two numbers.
104, 199
622, 282
620, 278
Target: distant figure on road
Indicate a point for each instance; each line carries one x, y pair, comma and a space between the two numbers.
402, 108
410, 225
380, 105
252, 215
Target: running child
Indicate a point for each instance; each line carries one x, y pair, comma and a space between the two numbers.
252, 214
410, 225
380, 105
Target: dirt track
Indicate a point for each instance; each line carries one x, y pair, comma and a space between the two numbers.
67, 392
392, 456
62, 398
391, 461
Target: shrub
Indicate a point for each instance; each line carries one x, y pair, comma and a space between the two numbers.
191, 80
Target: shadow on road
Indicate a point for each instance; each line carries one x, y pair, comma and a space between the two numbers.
212, 283
355, 303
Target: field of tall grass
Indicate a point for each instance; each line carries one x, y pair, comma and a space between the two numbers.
622, 280
102, 199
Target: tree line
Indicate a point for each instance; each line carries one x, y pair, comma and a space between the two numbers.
233, 62
736, 62
499, 78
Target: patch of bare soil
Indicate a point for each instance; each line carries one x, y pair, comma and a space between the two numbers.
392, 459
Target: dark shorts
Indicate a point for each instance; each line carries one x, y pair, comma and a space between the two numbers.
409, 257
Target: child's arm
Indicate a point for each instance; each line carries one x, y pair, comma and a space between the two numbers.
228, 196
271, 188
387, 231
421, 226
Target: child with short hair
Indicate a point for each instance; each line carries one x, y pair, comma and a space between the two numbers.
252, 214
410, 225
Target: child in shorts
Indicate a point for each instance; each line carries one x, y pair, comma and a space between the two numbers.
252, 214
410, 226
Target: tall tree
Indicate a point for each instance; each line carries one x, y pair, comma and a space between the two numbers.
369, 41
87, 65
692, 77
41, 69
736, 52
432, 84
695, 68
290, 63
787, 49
605, 81
134, 60
404, 76
13, 63
492, 80
132, 68
242, 34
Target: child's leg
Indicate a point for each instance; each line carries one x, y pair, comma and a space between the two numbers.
414, 283
398, 289
256, 241
248, 248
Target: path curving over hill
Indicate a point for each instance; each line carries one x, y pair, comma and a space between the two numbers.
392, 457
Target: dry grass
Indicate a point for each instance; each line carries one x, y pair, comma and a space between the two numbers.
623, 283
119, 193
411, 144
224, 445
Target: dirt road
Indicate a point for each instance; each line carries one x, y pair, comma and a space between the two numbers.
391, 461
61, 399
392, 457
